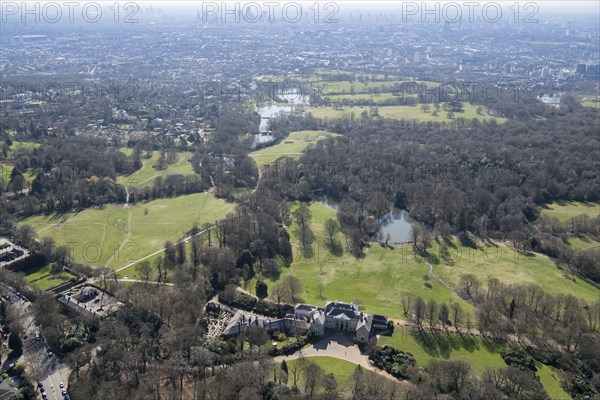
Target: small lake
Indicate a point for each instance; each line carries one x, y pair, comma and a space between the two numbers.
269, 111
396, 222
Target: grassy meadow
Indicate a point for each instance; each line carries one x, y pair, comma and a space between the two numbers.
292, 146
114, 236
145, 176
379, 279
341, 370
565, 210
480, 353
402, 112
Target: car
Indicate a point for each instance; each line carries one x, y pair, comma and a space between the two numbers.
62, 385
44, 395
63, 392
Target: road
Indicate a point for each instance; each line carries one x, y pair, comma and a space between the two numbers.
40, 364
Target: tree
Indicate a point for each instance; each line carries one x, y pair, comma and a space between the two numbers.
444, 315
181, 253
331, 228
420, 239
431, 311
170, 255
419, 307
281, 292
302, 217
469, 285
261, 290
15, 343
294, 286
406, 303
144, 269
296, 369
456, 314
313, 375
256, 335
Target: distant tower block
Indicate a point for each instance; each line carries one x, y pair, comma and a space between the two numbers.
417, 57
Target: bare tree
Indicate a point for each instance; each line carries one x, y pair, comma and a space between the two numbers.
469, 285
431, 311
296, 369
313, 375
294, 286
144, 269
281, 292
419, 307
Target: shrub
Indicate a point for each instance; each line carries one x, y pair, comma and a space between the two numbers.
240, 300
393, 361
519, 359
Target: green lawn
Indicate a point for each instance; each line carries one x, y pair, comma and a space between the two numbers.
145, 176
44, 279
564, 210
341, 370
292, 146
578, 243
481, 354
5, 171
591, 104
511, 267
377, 98
402, 112
24, 146
100, 237
333, 88
377, 280
550, 379
53, 280
380, 278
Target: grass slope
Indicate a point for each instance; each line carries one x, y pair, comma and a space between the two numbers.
564, 210
341, 370
101, 237
479, 353
377, 280
380, 278
510, 267
145, 176
403, 112
292, 146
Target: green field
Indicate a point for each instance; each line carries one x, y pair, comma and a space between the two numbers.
115, 235
582, 243
378, 98
44, 279
510, 267
480, 353
292, 146
402, 112
145, 176
565, 210
591, 104
341, 370
379, 279
23, 146
334, 88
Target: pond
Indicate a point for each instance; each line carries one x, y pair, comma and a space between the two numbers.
397, 224
269, 111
